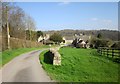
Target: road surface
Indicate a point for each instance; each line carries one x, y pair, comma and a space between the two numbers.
25, 68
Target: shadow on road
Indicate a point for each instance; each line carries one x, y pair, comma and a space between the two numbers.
24, 75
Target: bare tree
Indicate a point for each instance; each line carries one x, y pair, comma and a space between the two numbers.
15, 23
5, 18
30, 25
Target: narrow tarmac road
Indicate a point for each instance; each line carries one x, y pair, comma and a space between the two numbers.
25, 68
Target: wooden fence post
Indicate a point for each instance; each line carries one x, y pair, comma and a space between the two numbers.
107, 52
119, 52
104, 51
101, 51
98, 50
112, 53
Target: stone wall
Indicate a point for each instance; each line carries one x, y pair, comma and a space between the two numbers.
57, 56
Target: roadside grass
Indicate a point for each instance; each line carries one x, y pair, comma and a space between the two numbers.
8, 55
0, 59
81, 65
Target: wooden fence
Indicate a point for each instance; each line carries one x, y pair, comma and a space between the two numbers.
109, 52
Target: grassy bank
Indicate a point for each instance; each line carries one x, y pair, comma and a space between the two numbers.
82, 65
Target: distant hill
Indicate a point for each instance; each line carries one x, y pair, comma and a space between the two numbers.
69, 34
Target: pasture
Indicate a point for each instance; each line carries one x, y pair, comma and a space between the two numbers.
81, 65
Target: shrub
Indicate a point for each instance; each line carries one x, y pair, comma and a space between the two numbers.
91, 46
74, 43
99, 35
57, 38
116, 45
49, 42
95, 42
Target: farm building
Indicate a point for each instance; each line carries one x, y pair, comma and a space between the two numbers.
81, 44
81, 41
42, 38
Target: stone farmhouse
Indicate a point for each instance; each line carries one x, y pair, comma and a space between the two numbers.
42, 38
81, 41
45, 39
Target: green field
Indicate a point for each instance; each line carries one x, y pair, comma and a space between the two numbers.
82, 65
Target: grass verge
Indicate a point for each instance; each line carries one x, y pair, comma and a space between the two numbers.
81, 65
8, 55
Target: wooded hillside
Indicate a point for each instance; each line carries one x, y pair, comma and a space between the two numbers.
107, 34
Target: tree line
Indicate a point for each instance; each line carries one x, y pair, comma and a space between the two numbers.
107, 34
20, 24
100, 38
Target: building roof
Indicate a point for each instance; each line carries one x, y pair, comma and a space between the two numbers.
85, 37
83, 42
